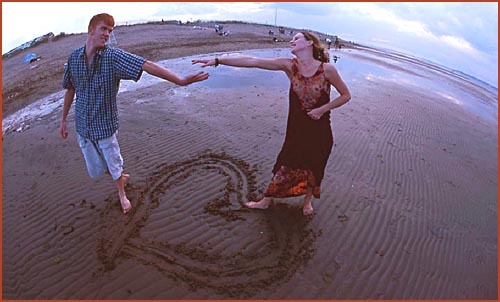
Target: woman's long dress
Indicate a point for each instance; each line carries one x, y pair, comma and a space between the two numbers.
302, 160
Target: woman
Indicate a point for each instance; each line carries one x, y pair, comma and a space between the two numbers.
300, 165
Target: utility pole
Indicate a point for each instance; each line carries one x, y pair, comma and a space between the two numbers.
275, 23
275, 16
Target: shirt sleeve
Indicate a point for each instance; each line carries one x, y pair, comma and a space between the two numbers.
66, 82
127, 66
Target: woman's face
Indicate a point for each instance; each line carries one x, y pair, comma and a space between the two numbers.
299, 42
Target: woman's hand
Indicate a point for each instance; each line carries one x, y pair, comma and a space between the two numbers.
204, 63
315, 113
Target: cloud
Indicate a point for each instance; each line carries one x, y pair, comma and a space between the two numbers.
459, 43
211, 10
378, 14
422, 29
449, 33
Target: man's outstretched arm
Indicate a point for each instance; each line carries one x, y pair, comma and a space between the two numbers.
161, 72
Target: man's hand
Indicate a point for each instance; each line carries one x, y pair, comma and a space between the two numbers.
200, 76
63, 131
162, 72
68, 100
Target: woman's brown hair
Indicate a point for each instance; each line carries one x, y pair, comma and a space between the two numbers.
319, 51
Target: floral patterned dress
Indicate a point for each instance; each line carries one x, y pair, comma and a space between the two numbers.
302, 160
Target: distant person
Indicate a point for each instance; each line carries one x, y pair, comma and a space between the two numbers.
300, 166
336, 43
329, 42
93, 73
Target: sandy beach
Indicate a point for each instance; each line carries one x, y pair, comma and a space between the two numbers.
408, 207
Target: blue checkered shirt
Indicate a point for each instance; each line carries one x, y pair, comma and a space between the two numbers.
96, 88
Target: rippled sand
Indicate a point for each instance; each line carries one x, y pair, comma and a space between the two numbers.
408, 207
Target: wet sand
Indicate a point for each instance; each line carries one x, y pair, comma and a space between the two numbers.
408, 207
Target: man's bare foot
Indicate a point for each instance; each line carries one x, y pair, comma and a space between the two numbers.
126, 205
120, 185
307, 209
261, 204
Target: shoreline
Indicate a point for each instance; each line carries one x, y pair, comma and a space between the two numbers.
23, 84
18, 121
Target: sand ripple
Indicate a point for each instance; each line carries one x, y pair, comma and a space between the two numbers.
201, 235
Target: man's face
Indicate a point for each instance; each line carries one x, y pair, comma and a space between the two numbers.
100, 34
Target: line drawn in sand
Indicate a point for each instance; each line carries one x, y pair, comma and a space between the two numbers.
265, 248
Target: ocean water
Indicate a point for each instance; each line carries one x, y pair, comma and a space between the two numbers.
402, 70
362, 65
354, 65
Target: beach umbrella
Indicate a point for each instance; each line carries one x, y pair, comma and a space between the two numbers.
30, 57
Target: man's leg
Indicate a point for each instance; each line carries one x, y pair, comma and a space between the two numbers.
94, 160
111, 151
120, 184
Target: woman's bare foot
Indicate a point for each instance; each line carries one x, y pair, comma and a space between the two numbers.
307, 209
261, 204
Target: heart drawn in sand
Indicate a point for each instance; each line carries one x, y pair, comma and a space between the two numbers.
190, 224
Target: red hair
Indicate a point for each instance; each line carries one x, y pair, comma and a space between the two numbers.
106, 18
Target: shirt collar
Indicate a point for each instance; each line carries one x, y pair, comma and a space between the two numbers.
99, 51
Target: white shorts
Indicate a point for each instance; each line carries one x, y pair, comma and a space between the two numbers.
102, 156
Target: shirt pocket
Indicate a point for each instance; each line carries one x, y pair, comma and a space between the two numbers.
98, 87
80, 82
98, 81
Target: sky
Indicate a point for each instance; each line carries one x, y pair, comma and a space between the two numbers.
458, 35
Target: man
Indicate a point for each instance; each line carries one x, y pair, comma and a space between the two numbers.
93, 73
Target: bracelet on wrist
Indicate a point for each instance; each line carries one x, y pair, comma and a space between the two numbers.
216, 62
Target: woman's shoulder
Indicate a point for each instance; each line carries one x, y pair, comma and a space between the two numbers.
331, 72
328, 65
287, 63
285, 60
329, 68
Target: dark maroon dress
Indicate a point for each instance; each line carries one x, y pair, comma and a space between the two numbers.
302, 160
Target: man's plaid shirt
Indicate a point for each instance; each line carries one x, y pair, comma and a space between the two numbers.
96, 88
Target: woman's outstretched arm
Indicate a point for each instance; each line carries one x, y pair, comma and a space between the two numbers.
283, 64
